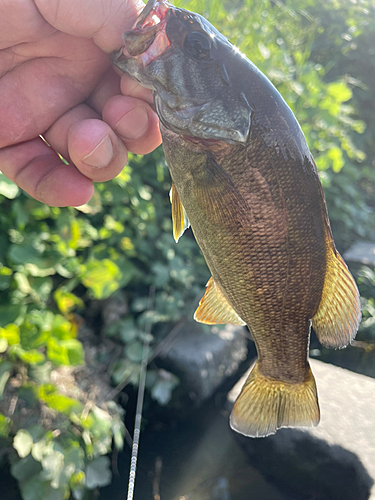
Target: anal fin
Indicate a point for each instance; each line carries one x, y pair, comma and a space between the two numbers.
179, 217
339, 313
214, 308
265, 404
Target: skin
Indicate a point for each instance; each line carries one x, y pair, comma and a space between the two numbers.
57, 80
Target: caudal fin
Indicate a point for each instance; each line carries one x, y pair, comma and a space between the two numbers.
265, 405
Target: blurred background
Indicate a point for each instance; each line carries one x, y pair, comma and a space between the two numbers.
75, 285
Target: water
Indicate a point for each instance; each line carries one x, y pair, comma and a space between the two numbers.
195, 459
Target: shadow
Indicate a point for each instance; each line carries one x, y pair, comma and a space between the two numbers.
302, 465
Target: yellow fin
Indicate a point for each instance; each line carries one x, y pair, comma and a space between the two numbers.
265, 405
214, 308
179, 217
339, 313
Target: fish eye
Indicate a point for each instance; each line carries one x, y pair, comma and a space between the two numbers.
198, 45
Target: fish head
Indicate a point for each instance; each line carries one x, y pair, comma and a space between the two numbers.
193, 71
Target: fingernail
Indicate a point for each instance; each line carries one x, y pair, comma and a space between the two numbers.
134, 124
101, 155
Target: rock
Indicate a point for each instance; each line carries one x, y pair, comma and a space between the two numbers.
203, 359
334, 461
362, 252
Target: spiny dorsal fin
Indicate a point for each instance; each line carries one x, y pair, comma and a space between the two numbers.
179, 217
214, 309
265, 404
339, 313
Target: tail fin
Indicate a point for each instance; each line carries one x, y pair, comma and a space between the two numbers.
264, 405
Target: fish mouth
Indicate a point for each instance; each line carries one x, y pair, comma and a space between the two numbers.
147, 40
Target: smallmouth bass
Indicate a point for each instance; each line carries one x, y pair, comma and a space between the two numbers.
245, 180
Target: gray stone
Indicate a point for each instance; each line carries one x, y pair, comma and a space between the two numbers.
362, 252
203, 359
334, 461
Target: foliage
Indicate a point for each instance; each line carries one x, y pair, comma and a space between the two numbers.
54, 264
58, 267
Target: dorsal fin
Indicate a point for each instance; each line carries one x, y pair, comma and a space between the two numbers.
339, 313
214, 308
179, 217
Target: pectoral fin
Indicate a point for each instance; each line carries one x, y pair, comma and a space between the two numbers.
339, 313
179, 217
214, 308
219, 196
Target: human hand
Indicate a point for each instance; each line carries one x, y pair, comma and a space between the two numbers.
57, 80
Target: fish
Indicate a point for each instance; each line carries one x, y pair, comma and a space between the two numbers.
245, 181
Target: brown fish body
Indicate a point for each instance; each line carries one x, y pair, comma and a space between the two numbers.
243, 175
264, 242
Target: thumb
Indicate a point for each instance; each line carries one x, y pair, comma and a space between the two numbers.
102, 20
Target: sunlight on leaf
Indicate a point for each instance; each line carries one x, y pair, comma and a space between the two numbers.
23, 443
101, 277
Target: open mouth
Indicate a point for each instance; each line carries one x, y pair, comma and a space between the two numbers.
148, 39
152, 14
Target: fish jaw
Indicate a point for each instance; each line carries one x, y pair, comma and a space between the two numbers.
144, 43
194, 98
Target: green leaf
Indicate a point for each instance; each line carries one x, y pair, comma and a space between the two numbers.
23, 443
57, 354
31, 357
31, 336
125, 369
335, 154
134, 352
23, 253
101, 277
40, 449
6, 276
53, 464
25, 468
10, 313
40, 373
127, 269
62, 328
65, 352
98, 473
162, 389
3, 345
125, 329
340, 91
5, 370
5, 425
66, 301
75, 351
53, 399
8, 188
11, 333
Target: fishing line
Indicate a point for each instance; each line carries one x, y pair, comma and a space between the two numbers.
140, 398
